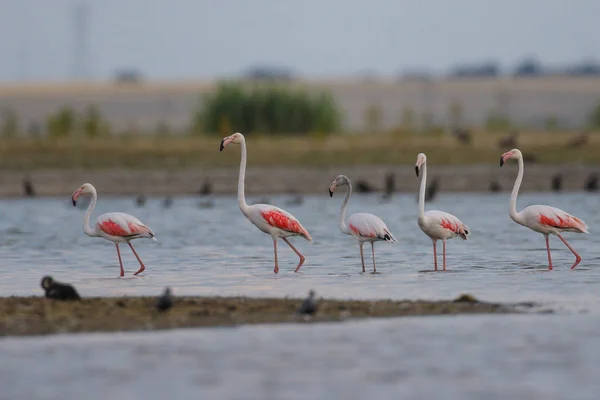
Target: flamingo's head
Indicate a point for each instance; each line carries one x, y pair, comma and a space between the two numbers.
47, 281
340, 180
86, 188
514, 153
235, 138
421, 159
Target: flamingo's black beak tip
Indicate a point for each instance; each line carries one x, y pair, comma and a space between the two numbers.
330, 193
74, 202
222, 147
417, 170
501, 161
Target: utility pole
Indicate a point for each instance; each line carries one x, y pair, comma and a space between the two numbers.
80, 12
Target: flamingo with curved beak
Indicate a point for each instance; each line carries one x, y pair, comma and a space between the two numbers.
116, 227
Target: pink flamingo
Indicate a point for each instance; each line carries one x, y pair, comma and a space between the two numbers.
271, 220
543, 219
438, 225
115, 226
364, 227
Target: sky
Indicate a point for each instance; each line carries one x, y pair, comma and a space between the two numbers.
206, 39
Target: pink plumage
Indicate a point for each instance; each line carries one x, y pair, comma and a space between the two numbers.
370, 227
365, 227
541, 218
116, 227
123, 225
438, 225
283, 220
274, 221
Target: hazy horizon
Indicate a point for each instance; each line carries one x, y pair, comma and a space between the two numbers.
207, 39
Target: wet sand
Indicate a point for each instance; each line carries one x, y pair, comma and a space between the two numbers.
23, 316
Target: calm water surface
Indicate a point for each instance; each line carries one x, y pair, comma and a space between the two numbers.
216, 251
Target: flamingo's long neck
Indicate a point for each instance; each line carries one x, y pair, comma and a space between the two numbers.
343, 226
513, 197
86, 217
422, 190
242, 177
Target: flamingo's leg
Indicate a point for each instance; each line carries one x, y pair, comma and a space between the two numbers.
373, 250
297, 252
120, 262
577, 256
444, 247
276, 270
435, 254
549, 256
142, 267
362, 257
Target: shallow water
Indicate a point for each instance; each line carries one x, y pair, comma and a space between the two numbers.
216, 251
463, 357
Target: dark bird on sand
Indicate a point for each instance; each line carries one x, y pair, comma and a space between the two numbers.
59, 291
462, 135
165, 301
309, 305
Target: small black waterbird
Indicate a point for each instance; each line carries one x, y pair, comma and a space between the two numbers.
59, 291
165, 301
309, 305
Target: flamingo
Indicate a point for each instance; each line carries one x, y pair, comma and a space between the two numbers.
438, 225
116, 227
271, 220
540, 218
364, 227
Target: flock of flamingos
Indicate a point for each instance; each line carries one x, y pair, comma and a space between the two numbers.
364, 227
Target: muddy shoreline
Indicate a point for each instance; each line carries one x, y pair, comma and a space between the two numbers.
282, 180
24, 316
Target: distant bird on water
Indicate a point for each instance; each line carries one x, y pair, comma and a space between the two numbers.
206, 188
58, 291
167, 202
591, 183
28, 188
140, 200
390, 186
309, 305
495, 186
438, 225
274, 221
116, 227
365, 227
165, 301
556, 182
540, 218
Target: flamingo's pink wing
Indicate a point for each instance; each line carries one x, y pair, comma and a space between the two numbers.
113, 228
284, 221
363, 226
123, 225
369, 226
450, 222
555, 218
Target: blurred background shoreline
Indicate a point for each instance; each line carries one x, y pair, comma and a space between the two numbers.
99, 92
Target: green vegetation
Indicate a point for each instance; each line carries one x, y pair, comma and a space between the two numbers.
594, 121
9, 123
266, 109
